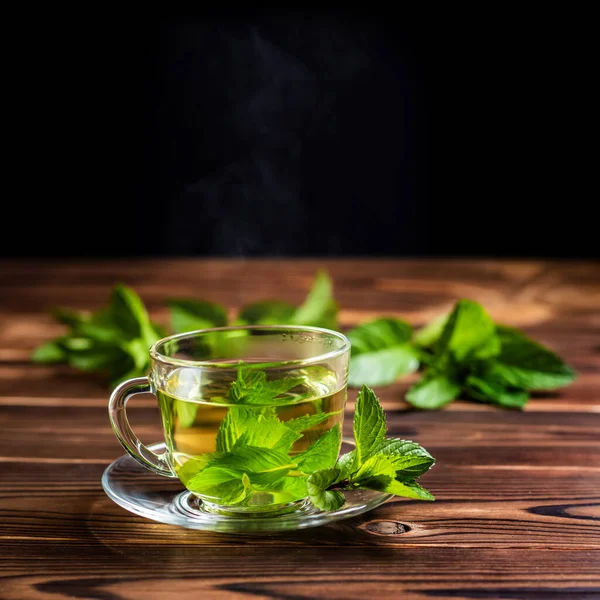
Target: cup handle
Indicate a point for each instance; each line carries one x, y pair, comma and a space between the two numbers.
118, 418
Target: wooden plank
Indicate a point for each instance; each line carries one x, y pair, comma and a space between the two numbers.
518, 493
158, 572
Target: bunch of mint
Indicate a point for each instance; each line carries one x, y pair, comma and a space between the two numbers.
319, 309
463, 353
252, 461
116, 339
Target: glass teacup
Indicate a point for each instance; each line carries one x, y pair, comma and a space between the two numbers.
247, 412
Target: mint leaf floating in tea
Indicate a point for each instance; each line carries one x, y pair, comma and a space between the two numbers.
381, 352
234, 424
252, 387
467, 354
267, 432
115, 340
308, 421
262, 465
288, 489
228, 486
322, 453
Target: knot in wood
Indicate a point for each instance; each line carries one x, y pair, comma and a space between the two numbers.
386, 527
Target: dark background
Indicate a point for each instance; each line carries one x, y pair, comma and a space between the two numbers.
298, 134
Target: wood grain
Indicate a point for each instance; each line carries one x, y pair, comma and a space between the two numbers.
517, 513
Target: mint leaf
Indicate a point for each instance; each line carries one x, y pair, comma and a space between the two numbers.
523, 363
495, 392
433, 391
190, 315
75, 344
376, 473
252, 387
271, 391
317, 485
408, 459
369, 424
101, 329
267, 312
345, 464
288, 489
243, 425
247, 380
322, 454
268, 433
308, 421
382, 367
72, 318
427, 336
469, 333
224, 486
319, 309
381, 352
409, 489
127, 312
233, 426
50, 352
138, 350
98, 358
262, 465
193, 466
379, 334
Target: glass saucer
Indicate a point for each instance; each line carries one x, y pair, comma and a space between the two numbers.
165, 500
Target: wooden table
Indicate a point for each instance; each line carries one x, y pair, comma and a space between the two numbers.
517, 511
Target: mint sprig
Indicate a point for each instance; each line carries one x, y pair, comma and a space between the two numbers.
253, 461
319, 309
462, 354
116, 339
486, 362
378, 463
